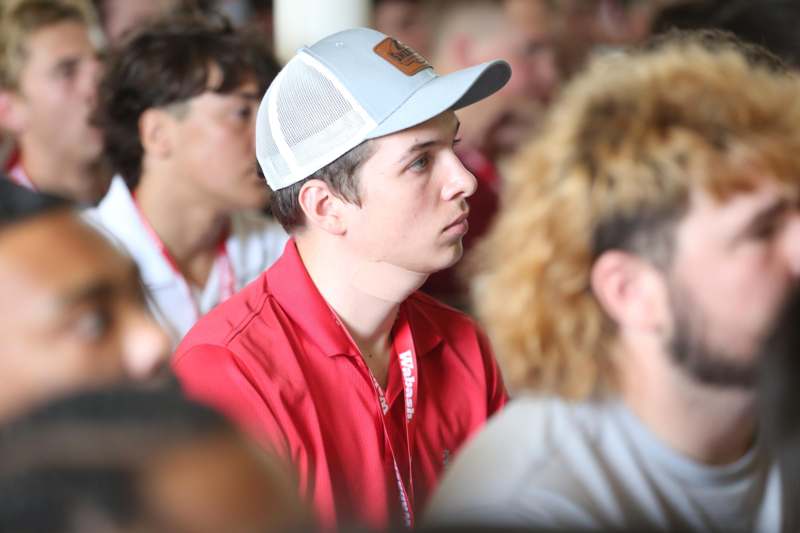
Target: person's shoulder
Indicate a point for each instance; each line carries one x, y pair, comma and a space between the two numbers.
221, 325
255, 243
528, 429
518, 438
507, 466
254, 225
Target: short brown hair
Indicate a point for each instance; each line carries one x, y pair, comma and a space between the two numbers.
612, 169
340, 176
166, 63
19, 19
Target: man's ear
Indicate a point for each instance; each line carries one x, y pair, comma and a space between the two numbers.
631, 290
321, 207
156, 132
12, 112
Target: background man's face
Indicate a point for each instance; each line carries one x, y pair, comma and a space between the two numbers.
523, 35
406, 21
734, 264
73, 313
215, 149
57, 89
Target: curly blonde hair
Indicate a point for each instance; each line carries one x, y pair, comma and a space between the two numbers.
612, 168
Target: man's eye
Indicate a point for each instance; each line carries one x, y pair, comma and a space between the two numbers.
67, 71
244, 113
420, 164
93, 325
765, 231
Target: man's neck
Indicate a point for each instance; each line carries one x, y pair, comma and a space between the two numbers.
712, 425
50, 173
365, 294
191, 232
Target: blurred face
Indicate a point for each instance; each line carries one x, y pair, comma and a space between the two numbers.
405, 21
523, 37
215, 149
219, 484
734, 265
57, 89
73, 312
413, 199
122, 16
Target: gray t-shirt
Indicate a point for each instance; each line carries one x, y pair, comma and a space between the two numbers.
547, 463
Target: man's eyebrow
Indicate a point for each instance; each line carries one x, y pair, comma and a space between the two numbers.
101, 289
66, 62
765, 217
247, 95
427, 144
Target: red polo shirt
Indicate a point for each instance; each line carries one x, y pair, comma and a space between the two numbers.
276, 359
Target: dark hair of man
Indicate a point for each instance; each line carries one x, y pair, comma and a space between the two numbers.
18, 203
168, 63
771, 24
341, 178
80, 456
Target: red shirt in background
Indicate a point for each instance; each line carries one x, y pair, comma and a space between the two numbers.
276, 359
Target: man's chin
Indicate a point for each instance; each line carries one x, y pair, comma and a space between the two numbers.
456, 253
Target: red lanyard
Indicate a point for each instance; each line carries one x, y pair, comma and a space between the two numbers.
17, 175
403, 347
227, 278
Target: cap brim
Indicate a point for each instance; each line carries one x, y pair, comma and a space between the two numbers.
449, 92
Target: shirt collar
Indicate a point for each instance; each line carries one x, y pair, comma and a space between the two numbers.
298, 296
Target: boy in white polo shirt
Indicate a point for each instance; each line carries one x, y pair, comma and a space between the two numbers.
178, 107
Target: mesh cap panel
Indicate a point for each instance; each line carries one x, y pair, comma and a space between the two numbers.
312, 121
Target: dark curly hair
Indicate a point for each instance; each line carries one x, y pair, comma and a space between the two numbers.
169, 62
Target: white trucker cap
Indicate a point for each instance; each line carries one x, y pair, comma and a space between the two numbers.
352, 86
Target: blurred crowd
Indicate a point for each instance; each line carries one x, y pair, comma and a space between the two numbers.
245, 295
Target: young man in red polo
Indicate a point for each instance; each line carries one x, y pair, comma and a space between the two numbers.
332, 357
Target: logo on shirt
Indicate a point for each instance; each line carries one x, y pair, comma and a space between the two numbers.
407, 367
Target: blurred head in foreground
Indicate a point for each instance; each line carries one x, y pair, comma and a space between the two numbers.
662, 190
74, 314
129, 460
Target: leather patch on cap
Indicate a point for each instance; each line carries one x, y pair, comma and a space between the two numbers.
405, 59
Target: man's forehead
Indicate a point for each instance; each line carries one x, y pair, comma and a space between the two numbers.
737, 209
58, 250
443, 123
50, 44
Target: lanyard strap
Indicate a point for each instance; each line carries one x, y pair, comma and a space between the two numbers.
18, 175
403, 347
223, 264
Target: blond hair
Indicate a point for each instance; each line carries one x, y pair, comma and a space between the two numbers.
19, 19
618, 155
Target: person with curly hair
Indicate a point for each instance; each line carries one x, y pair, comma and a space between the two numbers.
647, 241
